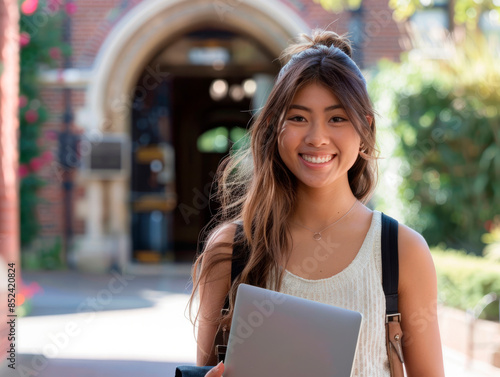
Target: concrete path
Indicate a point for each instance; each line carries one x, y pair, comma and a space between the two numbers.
115, 325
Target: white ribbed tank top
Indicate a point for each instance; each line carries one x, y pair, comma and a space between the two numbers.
358, 287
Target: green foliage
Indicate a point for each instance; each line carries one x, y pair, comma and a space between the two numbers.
446, 116
29, 200
40, 47
338, 6
463, 280
46, 255
24, 309
466, 12
492, 240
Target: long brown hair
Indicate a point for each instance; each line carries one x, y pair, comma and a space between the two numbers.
256, 187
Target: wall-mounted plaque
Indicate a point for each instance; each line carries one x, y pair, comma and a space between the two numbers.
107, 156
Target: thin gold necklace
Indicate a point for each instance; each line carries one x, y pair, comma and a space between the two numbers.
317, 235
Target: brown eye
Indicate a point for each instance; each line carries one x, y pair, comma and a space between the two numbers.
297, 118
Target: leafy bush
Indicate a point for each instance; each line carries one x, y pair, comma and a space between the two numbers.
463, 280
43, 255
40, 28
447, 120
492, 240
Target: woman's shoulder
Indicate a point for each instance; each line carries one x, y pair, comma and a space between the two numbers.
415, 259
221, 240
411, 243
217, 256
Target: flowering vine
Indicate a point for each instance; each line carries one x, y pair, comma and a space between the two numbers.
41, 47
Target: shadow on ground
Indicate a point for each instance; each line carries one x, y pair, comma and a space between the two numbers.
37, 365
67, 292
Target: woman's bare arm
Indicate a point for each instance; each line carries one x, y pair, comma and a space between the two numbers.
213, 290
418, 306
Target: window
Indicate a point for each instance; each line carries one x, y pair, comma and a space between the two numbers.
220, 139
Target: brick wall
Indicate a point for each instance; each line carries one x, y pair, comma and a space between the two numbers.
381, 36
94, 19
51, 210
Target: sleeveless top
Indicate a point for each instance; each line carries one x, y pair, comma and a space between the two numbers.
358, 287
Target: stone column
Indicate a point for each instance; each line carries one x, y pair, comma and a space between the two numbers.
95, 207
119, 221
92, 252
118, 210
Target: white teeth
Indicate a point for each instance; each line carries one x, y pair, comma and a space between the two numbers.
317, 160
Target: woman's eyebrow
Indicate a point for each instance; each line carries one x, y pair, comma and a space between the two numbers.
329, 108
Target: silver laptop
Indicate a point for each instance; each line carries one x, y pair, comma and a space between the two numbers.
278, 335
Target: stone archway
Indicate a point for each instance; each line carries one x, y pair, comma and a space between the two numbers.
124, 56
131, 44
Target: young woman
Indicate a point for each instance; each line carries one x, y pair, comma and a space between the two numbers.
299, 191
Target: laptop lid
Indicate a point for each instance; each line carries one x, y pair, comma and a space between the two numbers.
275, 334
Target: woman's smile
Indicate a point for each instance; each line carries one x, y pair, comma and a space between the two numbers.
317, 162
318, 142
317, 159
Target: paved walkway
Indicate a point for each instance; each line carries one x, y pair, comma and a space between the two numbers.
88, 325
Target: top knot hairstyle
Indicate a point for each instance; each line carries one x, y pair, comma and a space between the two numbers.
255, 185
318, 38
322, 43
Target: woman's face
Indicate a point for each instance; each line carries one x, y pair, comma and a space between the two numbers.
318, 142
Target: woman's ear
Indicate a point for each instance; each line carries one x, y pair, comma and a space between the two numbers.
369, 119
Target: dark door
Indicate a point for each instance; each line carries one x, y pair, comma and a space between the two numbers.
153, 196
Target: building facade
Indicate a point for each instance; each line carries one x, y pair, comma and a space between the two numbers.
159, 92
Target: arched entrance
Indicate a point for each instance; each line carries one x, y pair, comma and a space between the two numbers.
157, 83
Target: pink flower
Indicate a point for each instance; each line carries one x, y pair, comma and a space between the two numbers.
55, 53
24, 39
23, 101
51, 135
29, 7
36, 164
23, 171
47, 157
71, 8
29, 290
54, 5
31, 116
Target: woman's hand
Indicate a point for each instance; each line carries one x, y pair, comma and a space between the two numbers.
216, 371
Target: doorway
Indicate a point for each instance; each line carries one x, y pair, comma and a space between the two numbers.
182, 130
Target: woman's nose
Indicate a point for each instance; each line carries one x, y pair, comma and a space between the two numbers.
316, 135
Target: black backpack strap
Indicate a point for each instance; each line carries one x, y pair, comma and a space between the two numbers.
240, 253
239, 258
390, 264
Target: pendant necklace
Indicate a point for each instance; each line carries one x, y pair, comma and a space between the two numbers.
317, 235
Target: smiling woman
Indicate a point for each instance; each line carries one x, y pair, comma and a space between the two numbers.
292, 208
318, 142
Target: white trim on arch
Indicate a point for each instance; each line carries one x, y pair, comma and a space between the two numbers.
277, 25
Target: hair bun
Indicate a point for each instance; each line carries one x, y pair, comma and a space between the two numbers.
318, 37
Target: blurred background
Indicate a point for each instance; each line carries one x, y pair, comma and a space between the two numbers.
114, 115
